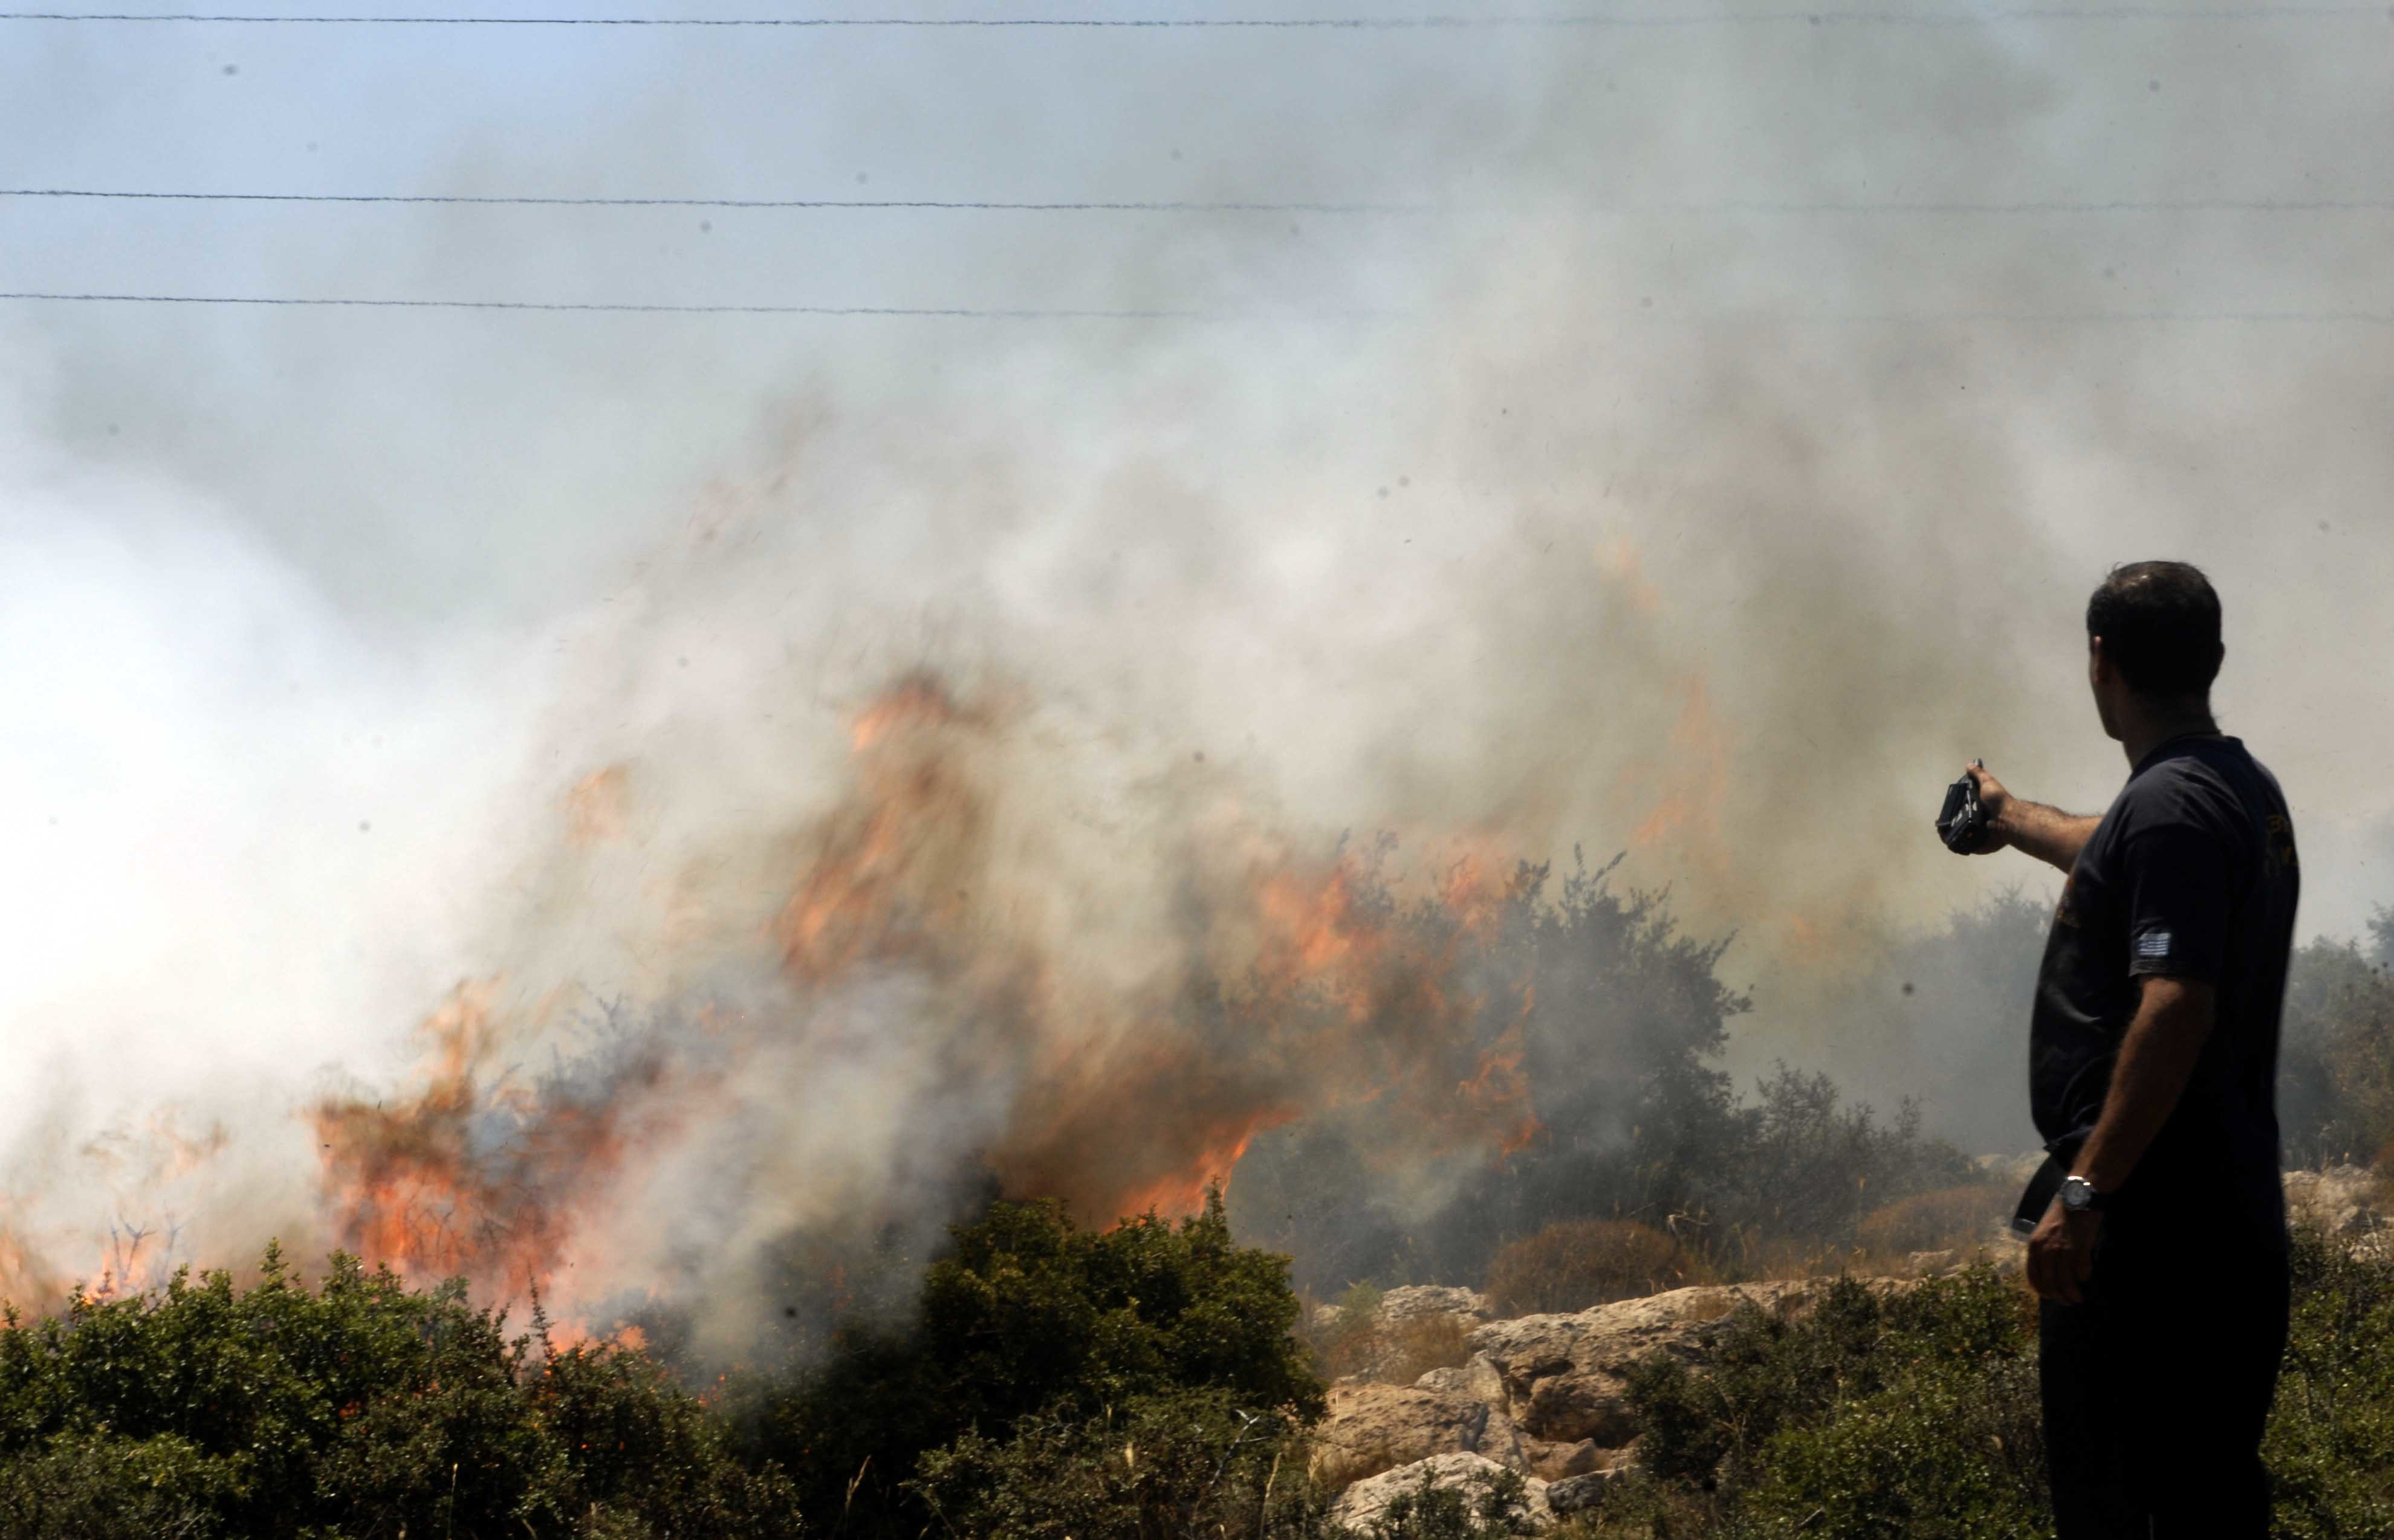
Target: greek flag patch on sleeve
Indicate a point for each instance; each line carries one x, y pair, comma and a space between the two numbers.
2153, 944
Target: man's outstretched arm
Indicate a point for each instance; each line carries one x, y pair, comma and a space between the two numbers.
2048, 834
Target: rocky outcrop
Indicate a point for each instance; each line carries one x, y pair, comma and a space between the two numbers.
1579, 1494
1419, 1300
1564, 1375
1545, 1395
1477, 1378
1369, 1429
1412, 1302
1366, 1500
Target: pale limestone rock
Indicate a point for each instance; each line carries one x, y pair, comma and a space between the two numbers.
1579, 1494
1557, 1461
1371, 1427
1477, 1378
1366, 1500
1419, 1300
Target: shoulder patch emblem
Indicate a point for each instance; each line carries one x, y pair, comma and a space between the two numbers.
2153, 943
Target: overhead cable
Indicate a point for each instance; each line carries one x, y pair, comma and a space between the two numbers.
1160, 207
1815, 18
1791, 206
1813, 318
641, 309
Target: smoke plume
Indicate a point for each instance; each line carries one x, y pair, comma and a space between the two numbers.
601, 802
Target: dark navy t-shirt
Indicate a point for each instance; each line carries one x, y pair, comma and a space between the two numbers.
2192, 874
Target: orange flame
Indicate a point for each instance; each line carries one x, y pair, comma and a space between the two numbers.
412, 1185
1307, 986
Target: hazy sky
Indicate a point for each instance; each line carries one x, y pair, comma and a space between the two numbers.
1706, 444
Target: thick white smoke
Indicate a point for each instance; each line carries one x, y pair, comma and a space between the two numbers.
1672, 505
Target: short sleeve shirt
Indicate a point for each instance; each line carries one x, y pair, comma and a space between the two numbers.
2191, 874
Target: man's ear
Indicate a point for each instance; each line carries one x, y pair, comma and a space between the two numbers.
2097, 662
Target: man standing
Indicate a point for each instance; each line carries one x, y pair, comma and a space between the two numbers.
2153, 1062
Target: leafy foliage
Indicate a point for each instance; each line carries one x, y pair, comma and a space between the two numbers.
358, 1408
2330, 1447
1947, 1452
1486, 1506
1809, 1163
1881, 1411
1035, 1328
1161, 1467
1916, 1416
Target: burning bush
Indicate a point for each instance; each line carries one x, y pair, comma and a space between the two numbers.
1619, 1018
1578, 1263
1612, 1015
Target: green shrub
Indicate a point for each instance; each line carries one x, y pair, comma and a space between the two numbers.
1161, 1467
359, 1408
1946, 1451
1916, 1415
1811, 1164
97, 1486
1789, 1404
2330, 1447
1487, 1506
1034, 1325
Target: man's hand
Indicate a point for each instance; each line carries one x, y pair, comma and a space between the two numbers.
2061, 1253
2013, 823
1993, 802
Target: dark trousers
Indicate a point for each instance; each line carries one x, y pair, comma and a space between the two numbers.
2156, 1390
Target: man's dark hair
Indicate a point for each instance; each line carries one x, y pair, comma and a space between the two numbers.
2160, 625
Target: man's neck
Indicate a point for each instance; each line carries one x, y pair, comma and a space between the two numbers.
2149, 730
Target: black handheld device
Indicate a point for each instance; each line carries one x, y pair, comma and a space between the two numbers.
1963, 822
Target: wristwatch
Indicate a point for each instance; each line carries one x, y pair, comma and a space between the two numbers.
2078, 1197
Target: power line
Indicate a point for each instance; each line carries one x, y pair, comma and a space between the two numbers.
1849, 18
1165, 206
2113, 205
2124, 206
942, 311
1829, 317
